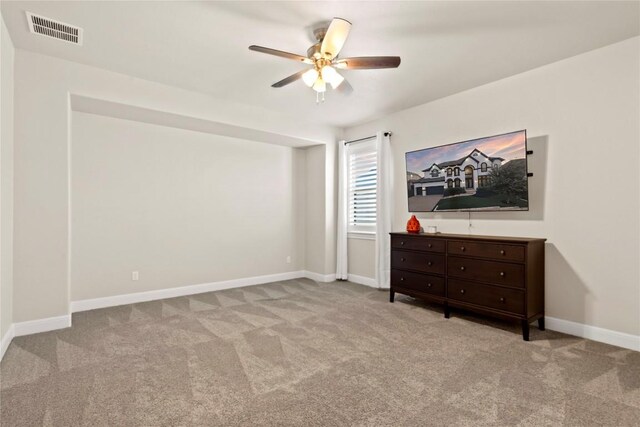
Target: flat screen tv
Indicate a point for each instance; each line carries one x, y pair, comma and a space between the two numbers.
485, 174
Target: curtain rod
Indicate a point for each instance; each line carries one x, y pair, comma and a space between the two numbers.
388, 133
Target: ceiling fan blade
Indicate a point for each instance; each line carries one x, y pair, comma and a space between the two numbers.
367, 62
281, 54
292, 78
345, 88
335, 37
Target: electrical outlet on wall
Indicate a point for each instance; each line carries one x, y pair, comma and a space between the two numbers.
288, 259
135, 275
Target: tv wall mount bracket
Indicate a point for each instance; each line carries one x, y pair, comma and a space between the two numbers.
529, 152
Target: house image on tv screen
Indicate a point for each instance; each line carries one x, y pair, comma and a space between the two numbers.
483, 174
469, 172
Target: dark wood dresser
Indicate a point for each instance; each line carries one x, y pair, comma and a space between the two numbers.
496, 276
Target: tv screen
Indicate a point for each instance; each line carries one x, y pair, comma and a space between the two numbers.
485, 174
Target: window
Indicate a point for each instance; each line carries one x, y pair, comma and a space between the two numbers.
362, 181
483, 181
449, 172
483, 167
457, 183
450, 183
456, 171
435, 173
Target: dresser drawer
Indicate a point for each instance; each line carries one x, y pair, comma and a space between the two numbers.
419, 282
501, 273
425, 262
486, 250
418, 243
511, 300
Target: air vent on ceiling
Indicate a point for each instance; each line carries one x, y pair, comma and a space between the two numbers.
55, 29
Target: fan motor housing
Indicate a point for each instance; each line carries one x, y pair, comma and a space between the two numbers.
320, 32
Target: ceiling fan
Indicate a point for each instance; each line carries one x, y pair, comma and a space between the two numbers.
323, 56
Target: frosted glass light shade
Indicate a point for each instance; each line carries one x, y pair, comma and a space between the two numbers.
332, 76
310, 77
320, 85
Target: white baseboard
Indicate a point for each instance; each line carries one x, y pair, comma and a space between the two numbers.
324, 278
6, 340
607, 336
92, 304
362, 280
41, 325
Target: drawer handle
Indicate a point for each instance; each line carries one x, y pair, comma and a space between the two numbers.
462, 291
429, 263
402, 279
502, 252
428, 285
401, 243
462, 268
501, 299
429, 245
502, 274
402, 259
462, 248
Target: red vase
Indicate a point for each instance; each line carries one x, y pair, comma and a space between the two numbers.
413, 225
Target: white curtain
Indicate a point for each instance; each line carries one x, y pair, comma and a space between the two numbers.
342, 260
384, 209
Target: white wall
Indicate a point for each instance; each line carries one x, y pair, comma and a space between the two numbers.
42, 140
315, 208
331, 208
179, 207
6, 179
362, 257
321, 209
583, 120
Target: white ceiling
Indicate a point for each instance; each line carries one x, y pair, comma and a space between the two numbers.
446, 47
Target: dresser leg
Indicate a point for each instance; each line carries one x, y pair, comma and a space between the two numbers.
447, 312
392, 295
541, 323
525, 330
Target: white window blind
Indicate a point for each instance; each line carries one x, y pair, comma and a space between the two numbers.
363, 182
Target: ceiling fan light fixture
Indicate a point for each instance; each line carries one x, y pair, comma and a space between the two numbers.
310, 77
320, 85
330, 75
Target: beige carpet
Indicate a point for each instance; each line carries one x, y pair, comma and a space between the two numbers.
302, 353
